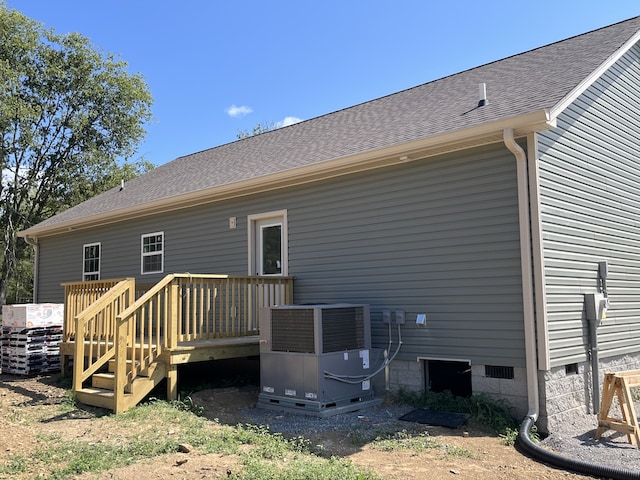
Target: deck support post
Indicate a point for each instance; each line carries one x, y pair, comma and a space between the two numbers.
172, 382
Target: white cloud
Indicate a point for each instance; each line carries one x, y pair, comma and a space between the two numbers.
238, 111
287, 121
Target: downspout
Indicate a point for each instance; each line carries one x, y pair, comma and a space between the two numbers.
527, 275
33, 241
524, 435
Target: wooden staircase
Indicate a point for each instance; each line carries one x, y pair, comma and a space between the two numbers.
102, 392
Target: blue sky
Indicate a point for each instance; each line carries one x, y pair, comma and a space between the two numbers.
216, 67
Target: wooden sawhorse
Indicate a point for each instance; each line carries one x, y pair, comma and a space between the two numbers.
619, 384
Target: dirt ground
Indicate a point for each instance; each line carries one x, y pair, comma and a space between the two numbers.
490, 459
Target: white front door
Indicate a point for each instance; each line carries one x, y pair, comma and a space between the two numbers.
268, 244
267, 258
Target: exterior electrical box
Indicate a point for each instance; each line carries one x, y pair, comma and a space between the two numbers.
314, 359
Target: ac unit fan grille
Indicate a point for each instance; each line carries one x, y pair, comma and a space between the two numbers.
292, 331
342, 329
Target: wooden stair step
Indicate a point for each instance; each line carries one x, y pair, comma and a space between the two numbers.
112, 365
97, 397
101, 393
104, 381
107, 380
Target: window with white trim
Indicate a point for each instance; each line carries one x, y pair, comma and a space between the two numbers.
91, 261
152, 252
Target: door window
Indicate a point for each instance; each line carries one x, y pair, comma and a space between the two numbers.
271, 249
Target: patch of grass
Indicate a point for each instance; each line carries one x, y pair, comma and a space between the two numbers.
301, 468
65, 459
403, 440
18, 464
508, 437
186, 403
142, 433
452, 451
417, 443
492, 413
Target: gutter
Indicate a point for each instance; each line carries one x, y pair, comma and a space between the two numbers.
527, 274
33, 241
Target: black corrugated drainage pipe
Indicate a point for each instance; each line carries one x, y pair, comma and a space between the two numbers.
527, 445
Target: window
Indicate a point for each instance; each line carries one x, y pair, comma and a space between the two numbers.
153, 253
91, 262
271, 249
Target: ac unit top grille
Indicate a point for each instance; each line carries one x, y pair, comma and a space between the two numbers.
339, 328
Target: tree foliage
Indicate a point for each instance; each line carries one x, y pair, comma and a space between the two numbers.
257, 130
67, 113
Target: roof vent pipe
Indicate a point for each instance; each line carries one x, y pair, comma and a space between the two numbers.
121, 184
482, 92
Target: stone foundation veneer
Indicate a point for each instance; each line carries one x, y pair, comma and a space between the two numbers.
565, 398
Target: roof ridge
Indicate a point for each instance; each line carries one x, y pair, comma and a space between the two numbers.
408, 89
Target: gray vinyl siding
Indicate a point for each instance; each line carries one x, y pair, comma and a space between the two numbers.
436, 236
590, 198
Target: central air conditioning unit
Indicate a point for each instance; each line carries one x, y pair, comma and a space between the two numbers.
315, 359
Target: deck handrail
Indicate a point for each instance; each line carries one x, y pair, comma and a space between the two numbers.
78, 296
143, 330
95, 330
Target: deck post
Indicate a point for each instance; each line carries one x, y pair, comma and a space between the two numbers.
78, 355
131, 298
174, 316
289, 293
121, 365
172, 382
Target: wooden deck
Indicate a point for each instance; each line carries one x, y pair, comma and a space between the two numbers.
196, 350
135, 337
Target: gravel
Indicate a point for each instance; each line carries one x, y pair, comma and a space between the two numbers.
386, 415
575, 440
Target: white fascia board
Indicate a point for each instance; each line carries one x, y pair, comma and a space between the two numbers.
590, 79
483, 134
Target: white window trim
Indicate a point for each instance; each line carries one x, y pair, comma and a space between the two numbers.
84, 259
142, 254
278, 216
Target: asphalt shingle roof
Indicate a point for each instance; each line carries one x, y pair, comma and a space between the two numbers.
531, 81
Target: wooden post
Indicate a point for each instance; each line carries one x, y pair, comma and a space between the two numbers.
174, 315
618, 385
78, 355
289, 294
121, 366
172, 382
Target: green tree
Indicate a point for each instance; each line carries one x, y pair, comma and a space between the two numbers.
257, 130
67, 113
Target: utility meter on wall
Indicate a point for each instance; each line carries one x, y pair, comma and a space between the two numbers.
596, 305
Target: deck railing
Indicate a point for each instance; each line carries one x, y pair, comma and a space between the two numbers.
180, 308
77, 297
95, 329
216, 306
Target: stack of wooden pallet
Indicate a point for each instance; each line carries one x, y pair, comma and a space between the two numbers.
31, 350
30, 338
